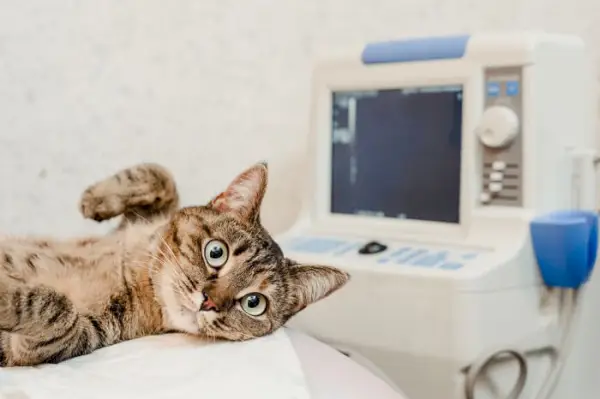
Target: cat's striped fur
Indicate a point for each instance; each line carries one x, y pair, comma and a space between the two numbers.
61, 299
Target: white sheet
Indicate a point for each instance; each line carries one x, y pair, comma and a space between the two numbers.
171, 366
331, 375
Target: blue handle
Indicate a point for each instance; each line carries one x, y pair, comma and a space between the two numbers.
416, 49
565, 245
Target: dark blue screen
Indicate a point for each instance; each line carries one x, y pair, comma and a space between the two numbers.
397, 153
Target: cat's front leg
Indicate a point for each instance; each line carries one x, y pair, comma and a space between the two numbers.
142, 192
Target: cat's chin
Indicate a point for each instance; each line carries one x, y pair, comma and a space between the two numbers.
182, 319
179, 314
190, 322
205, 319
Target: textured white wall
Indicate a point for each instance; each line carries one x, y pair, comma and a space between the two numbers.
205, 87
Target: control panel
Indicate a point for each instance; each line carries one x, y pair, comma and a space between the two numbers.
499, 133
402, 254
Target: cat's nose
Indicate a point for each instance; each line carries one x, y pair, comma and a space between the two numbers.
208, 304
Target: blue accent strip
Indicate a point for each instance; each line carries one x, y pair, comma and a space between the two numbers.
451, 266
417, 49
565, 245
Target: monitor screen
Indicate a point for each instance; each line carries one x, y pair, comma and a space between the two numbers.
397, 153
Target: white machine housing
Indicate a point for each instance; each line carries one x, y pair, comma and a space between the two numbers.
421, 324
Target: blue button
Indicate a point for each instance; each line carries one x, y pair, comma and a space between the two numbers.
470, 256
430, 260
400, 251
451, 266
411, 255
512, 88
493, 89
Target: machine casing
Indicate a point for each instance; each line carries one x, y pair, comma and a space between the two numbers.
421, 323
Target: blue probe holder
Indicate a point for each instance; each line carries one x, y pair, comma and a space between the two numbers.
565, 245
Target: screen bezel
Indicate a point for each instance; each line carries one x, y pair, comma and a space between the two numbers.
357, 76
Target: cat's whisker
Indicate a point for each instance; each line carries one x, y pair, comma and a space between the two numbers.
172, 258
179, 290
151, 266
158, 259
139, 215
211, 335
243, 335
168, 247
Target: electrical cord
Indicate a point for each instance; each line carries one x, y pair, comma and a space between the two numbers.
564, 348
568, 305
479, 366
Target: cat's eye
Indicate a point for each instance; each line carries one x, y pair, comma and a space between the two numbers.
254, 304
216, 253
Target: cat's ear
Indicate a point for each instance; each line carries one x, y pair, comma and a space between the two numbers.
245, 193
313, 283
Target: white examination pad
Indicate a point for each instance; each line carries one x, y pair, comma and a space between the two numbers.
170, 366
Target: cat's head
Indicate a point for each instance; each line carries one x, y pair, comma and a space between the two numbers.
223, 276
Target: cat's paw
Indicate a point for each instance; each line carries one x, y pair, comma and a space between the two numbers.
99, 205
143, 190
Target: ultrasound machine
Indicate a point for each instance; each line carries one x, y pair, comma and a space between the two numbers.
454, 178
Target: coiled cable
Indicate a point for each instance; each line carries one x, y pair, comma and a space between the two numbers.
568, 309
479, 366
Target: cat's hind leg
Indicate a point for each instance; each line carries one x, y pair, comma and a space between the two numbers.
40, 325
142, 192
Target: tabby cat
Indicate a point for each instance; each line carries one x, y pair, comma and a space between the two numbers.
212, 271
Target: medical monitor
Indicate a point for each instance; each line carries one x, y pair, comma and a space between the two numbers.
447, 175
396, 153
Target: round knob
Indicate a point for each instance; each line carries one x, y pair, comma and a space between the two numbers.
499, 125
